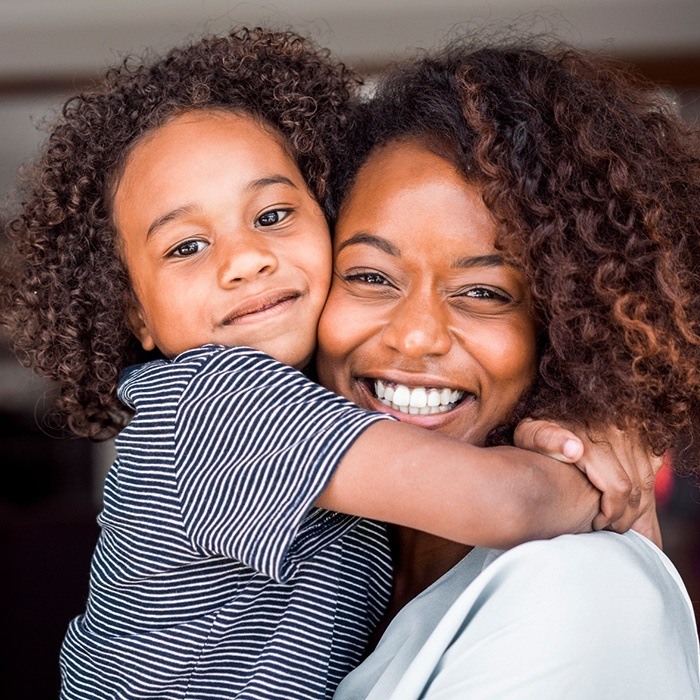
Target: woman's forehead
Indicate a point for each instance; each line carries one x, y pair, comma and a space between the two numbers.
409, 195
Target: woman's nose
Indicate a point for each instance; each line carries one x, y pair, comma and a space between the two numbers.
245, 260
417, 328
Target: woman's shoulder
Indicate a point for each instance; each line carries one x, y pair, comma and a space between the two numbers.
578, 616
589, 564
605, 606
591, 558
613, 586
570, 554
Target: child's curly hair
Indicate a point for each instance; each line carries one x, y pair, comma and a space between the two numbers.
595, 184
66, 306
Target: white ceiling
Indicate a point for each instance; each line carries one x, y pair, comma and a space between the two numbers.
64, 38
50, 37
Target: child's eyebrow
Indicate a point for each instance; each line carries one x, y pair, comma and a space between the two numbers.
253, 186
263, 182
170, 216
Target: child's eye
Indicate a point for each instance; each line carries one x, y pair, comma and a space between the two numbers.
188, 248
272, 217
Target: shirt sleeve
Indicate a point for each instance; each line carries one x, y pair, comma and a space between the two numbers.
577, 618
256, 443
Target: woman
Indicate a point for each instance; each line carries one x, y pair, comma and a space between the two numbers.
174, 149
522, 227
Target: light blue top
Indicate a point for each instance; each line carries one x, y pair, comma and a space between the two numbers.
580, 616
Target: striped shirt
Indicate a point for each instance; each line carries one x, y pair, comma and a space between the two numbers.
214, 575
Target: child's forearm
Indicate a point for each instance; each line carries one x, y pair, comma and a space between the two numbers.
494, 497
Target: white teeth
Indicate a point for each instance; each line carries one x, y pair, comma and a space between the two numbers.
418, 400
402, 395
419, 397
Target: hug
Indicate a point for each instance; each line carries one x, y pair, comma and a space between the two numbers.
514, 236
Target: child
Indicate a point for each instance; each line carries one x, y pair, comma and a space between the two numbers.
175, 208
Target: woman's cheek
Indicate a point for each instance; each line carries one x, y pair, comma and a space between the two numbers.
334, 340
519, 364
330, 325
346, 333
507, 354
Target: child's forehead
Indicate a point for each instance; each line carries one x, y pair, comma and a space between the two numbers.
227, 123
216, 139
203, 160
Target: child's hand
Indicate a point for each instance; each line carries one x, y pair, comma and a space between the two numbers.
615, 463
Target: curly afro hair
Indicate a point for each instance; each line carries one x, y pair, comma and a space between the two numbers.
594, 182
66, 305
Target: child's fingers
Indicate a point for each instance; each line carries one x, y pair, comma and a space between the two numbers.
641, 466
615, 463
549, 439
607, 474
648, 465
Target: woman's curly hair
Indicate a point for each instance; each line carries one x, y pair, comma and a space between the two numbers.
66, 306
594, 182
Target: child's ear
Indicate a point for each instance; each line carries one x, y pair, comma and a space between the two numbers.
138, 326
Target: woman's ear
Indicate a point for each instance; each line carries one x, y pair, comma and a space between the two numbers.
138, 326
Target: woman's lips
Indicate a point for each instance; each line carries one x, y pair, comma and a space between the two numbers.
426, 405
416, 400
261, 308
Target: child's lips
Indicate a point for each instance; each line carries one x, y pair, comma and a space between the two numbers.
261, 307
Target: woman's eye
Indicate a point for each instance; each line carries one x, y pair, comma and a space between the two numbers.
188, 248
272, 217
367, 278
485, 293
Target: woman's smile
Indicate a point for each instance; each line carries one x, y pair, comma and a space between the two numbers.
417, 400
429, 404
425, 320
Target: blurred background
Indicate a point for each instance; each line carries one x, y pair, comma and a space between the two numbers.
50, 485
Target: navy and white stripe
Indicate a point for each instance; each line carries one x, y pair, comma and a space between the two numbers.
214, 575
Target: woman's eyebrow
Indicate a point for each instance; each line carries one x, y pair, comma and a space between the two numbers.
493, 260
365, 238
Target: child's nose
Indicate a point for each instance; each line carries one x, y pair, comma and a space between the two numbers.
245, 262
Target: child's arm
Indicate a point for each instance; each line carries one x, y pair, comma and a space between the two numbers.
256, 445
616, 463
494, 497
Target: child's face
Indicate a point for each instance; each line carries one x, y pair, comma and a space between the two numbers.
222, 239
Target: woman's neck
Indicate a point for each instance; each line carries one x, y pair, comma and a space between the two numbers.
419, 560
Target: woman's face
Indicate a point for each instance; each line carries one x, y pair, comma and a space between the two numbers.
424, 320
